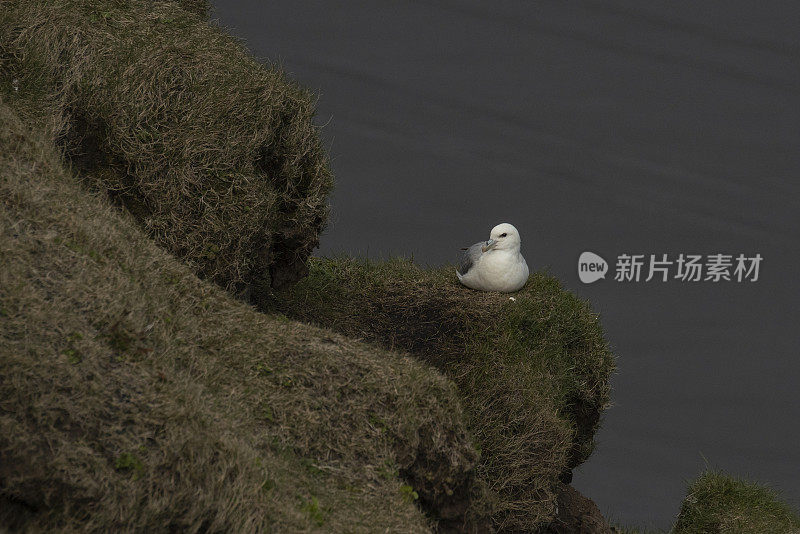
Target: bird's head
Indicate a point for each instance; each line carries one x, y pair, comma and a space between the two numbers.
503, 237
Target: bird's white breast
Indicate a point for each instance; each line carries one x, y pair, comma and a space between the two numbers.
498, 270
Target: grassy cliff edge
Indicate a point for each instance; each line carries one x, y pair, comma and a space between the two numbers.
533, 371
214, 153
129, 381
134, 395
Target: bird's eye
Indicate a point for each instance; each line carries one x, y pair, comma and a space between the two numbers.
503, 234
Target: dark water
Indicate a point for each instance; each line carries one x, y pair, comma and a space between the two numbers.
616, 127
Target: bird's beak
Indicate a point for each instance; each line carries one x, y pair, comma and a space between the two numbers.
489, 245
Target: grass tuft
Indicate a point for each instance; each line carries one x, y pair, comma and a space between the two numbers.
312, 508
717, 503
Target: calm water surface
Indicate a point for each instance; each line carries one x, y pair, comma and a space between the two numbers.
616, 127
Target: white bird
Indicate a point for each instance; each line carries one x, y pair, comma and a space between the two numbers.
496, 264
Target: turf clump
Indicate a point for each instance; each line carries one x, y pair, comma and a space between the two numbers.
136, 397
214, 154
717, 503
533, 372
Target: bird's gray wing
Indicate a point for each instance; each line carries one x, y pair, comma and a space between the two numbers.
469, 257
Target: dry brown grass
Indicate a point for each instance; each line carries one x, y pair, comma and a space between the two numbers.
134, 396
201, 8
533, 373
214, 154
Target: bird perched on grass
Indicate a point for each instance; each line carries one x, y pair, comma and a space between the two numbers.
496, 264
